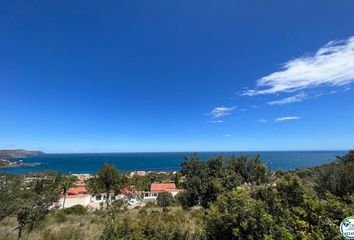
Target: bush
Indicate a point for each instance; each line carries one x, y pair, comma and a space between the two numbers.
60, 217
142, 211
76, 209
150, 205
164, 199
156, 225
182, 200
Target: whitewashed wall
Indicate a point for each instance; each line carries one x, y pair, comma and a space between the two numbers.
69, 202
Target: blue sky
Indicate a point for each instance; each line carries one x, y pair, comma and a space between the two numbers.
128, 76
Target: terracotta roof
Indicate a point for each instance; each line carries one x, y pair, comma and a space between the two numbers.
77, 196
162, 187
77, 190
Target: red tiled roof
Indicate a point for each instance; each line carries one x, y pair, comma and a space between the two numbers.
77, 196
77, 190
162, 186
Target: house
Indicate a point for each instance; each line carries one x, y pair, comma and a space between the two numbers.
79, 195
157, 188
124, 193
75, 196
138, 173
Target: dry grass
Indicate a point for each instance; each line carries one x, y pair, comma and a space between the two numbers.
58, 226
75, 227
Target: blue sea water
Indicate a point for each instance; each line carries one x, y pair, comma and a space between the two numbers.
91, 162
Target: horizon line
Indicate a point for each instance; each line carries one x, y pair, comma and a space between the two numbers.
212, 151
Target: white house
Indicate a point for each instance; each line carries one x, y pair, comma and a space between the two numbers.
75, 196
157, 188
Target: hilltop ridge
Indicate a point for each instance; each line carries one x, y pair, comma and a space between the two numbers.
15, 153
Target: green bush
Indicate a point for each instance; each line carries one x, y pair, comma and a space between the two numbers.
164, 200
182, 200
150, 205
76, 209
156, 225
142, 211
60, 217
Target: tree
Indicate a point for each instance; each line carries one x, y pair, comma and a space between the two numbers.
9, 189
107, 180
182, 198
140, 183
336, 177
66, 182
34, 203
177, 179
116, 208
164, 199
205, 180
251, 169
236, 215
196, 172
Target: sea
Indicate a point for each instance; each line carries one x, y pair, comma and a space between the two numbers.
162, 161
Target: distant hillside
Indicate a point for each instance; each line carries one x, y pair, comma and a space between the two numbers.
18, 153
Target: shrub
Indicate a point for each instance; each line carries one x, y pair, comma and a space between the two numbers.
142, 211
150, 205
60, 217
76, 209
164, 200
182, 200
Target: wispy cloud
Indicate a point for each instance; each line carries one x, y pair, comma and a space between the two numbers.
280, 119
221, 111
263, 120
332, 65
227, 135
215, 121
296, 98
347, 89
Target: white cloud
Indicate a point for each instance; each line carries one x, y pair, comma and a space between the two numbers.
263, 120
286, 119
347, 89
296, 98
332, 65
227, 135
216, 121
221, 111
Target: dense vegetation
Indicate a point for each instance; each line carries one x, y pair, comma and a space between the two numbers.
224, 198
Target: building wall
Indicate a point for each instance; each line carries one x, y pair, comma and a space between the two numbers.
69, 202
152, 196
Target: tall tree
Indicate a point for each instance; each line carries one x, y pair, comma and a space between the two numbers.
35, 201
9, 189
177, 179
107, 180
